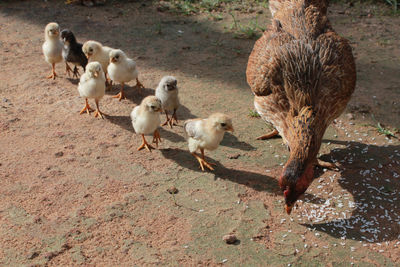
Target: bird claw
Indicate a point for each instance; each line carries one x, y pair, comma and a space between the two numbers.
147, 146
76, 73
86, 108
120, 96
99, 114
328, 165
268, 135
52, 76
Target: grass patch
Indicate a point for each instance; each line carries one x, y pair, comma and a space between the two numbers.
250, 31
253, 113
382, 130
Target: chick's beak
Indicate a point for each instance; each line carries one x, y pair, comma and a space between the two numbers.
288, 208
230, 128
96, 74
112, 60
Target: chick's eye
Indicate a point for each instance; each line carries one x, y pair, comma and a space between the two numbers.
223, 124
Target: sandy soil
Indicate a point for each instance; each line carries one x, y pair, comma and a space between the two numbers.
74, 190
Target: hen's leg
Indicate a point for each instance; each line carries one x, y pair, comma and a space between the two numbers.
268, 135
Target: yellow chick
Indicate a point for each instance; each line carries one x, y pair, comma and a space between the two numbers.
52, 47
206, 134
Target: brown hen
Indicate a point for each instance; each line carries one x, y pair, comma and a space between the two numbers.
302, 74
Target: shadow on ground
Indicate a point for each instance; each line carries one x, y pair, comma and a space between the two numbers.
254, 180
370, 174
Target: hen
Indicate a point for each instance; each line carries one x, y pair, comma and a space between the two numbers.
302, 74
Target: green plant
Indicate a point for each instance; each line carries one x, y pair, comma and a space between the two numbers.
393, 3
382, 130
253, 113
249, 31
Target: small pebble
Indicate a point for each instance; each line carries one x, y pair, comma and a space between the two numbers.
172, 190
230, 239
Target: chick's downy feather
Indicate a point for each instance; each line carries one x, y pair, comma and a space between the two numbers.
92, 82
52, 47
167, 92
146, 117
121, 68
95, 51
72, 50
207, 133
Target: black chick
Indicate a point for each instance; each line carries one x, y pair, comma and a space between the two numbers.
72, 52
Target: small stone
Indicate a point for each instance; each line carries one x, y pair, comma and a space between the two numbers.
59, 154
172, 190
230, 239
350, 116
33, 255
234, 156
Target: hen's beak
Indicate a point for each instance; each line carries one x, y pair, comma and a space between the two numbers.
288, 208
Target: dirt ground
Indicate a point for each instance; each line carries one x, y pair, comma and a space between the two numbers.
74, 190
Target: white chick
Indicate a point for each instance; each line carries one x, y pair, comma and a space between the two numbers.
206, 134
52, 47
167, 92
122, 69
146, 119
95, 51
92, 85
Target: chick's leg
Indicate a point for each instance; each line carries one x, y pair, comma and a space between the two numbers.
145, 145
86, 108
139, 84
76, 73
68, 69
121, 94
203, 163
53, 72
108, 82
174, 117
98, 113
268, 135
156, 137
166, 122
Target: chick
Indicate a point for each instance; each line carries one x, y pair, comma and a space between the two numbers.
206, 134
92, 85
72, 52
167, 92
95, 51
122, 69
146, 119
52, 47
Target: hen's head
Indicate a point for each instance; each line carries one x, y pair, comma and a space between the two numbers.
68, 37
220, 122
94, 69
116, 56
152, 104
91, 48
52, 30
168, 83
304, 135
